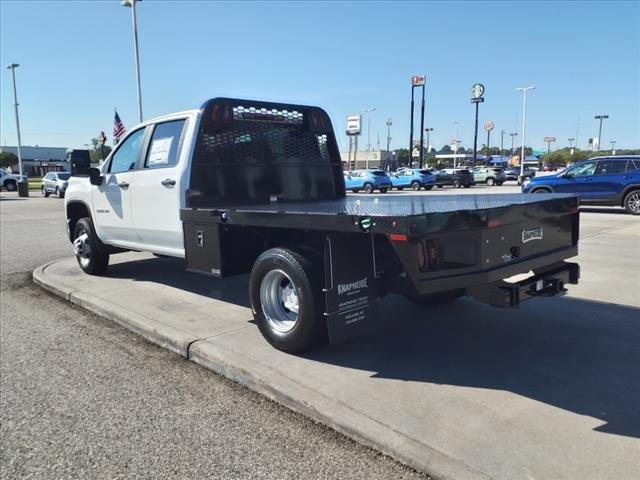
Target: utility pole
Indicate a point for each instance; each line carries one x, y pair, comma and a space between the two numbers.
23, 187
513, 138
524, 91
389, 123
501, 144
601, 118
578, 134
428, 130
416, 81
368, 111
455, 140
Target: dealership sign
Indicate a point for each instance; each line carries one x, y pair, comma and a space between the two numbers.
353, 124
418, 80
549, 139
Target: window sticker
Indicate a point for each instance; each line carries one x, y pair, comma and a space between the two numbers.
159, 153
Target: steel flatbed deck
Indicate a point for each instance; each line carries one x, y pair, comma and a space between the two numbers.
407, 214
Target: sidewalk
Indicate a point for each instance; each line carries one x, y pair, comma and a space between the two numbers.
551, 390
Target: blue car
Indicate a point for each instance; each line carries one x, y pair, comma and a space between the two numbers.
367, 180
413, 179
598, 181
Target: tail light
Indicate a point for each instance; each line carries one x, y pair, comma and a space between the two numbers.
432, 254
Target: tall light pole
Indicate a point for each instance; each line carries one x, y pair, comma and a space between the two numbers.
388, 123
428, 130
513, 136
22, 191
524, 91
571, 140
502, 132
368, 111
132, 4
455, 140
601, 118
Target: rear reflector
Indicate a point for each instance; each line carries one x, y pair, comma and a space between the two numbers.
397, 237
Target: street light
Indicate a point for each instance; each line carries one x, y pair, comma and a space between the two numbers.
23, 188
513, 138
428, 130
132, 4
524, 91
601, 118
613, 146
388, 123
368, 111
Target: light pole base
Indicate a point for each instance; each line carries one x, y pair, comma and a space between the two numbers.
23, 189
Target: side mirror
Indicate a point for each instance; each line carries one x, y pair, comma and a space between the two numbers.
95, 176
80, 162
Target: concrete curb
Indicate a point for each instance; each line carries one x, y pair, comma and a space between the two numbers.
212, 354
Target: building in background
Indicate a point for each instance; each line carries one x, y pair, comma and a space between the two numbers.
38, 161
377, 159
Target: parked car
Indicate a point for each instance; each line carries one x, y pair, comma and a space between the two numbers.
367, 180
512, 173
488, 175
55, 182
9, 181
458, 177
413, 179
599, 181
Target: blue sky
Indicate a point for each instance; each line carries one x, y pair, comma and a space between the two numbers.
77, 64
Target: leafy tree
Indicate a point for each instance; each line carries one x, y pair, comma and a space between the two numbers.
445, 149
402, 156
8, 159
96, 150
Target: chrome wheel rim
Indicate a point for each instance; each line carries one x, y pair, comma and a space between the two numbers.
634, 202
279, 300
82, 248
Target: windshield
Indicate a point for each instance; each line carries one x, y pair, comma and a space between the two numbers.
64, 176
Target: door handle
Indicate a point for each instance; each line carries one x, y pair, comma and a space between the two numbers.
167, 182
123, 185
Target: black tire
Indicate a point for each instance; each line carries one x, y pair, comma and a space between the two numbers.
439, 186
415, 185
302, 277
632, 202
541, 190
44, 192
467, 186
490, 182
400, 188
11, 186
384, 190
355, 190
93, 262
60, 193
456, 184
428, 187
499, 183
368, 188
436, 298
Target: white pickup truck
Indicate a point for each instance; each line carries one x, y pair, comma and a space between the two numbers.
241, 186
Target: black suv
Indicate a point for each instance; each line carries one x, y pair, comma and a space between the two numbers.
458, 177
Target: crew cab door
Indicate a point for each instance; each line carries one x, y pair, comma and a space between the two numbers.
112, 199
156, 193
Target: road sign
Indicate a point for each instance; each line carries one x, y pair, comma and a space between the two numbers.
353, 124
418, 80
549, 139
415, 153
488, 125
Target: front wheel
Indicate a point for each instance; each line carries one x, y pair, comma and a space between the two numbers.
85, 248
491, 182
44, 192
467, 185
415, 186
456, 184
400, 188
384, 190
428, 187
632, 202
499, 183
11, 186
60, 193
439, 186
282, 289
368, 188
355, 190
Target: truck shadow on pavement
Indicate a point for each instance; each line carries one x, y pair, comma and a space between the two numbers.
575, 354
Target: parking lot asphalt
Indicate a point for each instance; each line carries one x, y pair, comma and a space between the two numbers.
549, 390
83, 398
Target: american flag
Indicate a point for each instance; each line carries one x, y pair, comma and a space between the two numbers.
118, 128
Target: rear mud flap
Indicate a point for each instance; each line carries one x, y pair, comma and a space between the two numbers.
351, 290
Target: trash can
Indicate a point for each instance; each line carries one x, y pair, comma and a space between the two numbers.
23, 189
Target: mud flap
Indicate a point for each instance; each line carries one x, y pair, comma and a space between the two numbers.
351, 290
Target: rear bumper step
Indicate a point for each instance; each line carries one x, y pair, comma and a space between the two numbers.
544, 283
